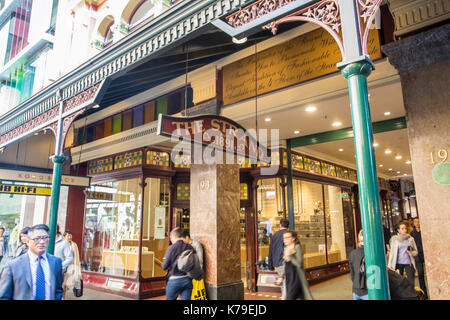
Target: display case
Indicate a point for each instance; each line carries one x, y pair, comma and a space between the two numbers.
185, 218
242, 226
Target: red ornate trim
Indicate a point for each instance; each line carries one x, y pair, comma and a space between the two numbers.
82, 97
325, 13
67, 122
53, 127
367, 9
30, 125
254, 11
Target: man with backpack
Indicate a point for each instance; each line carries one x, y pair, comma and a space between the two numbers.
180, 283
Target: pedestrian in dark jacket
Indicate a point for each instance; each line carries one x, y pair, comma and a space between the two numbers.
23, 246
400, 288
293, 269
276, 249
357, 270
3, 244
179, 282
419, 259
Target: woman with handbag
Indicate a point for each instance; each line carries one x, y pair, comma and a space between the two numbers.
403, 249
72, 277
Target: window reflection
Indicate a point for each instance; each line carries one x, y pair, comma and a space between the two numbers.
155, 226
112, 227
270, 211
310, 221
335, 224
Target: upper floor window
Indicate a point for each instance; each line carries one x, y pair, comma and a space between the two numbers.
19, 26
104, 32
141, 12
134, 117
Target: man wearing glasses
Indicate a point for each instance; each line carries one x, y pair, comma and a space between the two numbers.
35, 275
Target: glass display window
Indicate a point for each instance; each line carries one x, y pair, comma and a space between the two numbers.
243, 245
270, 211
309, 221
336, 233
155, 226
112, 227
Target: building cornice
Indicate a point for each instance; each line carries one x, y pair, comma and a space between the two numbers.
413, 15
419, 50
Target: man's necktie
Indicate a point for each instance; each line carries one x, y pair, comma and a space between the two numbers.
40, 281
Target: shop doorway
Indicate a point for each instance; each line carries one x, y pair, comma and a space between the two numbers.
181, 218
248, 249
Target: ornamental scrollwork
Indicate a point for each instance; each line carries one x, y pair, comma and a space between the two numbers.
367, 11
327, 13
254, 11
28, 126
81, 98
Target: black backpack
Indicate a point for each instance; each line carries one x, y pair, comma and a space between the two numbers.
401, 288
188, 262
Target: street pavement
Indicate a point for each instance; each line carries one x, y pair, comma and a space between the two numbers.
339, 288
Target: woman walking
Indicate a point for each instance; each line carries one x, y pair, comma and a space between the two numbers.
73, 275
294, 273
402, 253
23, 246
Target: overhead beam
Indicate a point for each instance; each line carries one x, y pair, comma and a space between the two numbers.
347, 133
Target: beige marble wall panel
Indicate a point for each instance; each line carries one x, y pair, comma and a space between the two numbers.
214, 219
427, 102
228, 230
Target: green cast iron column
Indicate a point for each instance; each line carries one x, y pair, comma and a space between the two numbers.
377, 282
58, 159
290, 189
54, 200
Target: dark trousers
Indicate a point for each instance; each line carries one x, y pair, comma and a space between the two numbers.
409, 271
421, 272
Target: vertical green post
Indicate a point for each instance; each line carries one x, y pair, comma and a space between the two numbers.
290, 189
58, 159
54, 200
377, 281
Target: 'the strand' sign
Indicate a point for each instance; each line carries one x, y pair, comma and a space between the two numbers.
214, 131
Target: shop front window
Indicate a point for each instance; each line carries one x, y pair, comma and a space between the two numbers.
112, 228
309, 221
336, 233
155, 226
270, 211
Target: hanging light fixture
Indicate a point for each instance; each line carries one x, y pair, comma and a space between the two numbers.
239, 41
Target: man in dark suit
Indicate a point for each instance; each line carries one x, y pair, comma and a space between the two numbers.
35, 275
276, 249
419, 259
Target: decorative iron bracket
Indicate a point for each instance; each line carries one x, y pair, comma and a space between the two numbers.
330, 15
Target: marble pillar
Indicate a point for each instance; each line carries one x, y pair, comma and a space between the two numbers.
423, 61
214, 220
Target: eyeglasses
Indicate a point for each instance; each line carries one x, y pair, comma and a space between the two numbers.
37, 239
